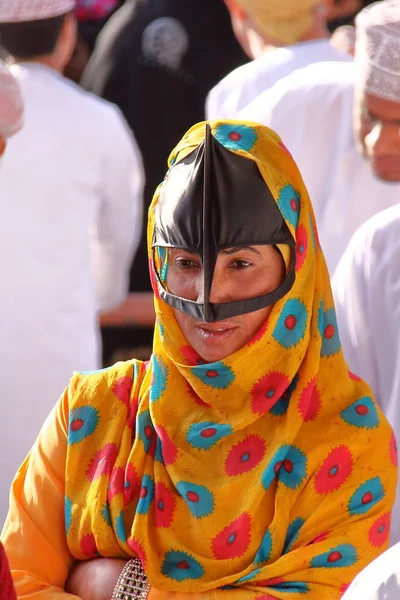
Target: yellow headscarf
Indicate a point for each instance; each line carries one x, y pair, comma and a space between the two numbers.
270, 474
285, 20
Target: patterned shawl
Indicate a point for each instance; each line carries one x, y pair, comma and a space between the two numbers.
270, 474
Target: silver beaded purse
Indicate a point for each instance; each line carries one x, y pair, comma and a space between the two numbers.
132, 583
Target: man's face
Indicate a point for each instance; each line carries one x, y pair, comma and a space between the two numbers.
377, 123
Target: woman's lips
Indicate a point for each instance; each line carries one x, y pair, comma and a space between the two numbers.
215, 334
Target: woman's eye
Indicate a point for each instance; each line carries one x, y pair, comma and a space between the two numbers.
186, 263
241, 264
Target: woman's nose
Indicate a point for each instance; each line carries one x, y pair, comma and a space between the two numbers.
221, 290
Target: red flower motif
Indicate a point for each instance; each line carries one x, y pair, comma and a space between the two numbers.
130, 421
378, 535
122, 388
320, 538
191, 356
169, 450
284, 148
165, 506
102, 462
334, 471
116, 485
196, 397
267, 391
259, 334
234, 540
354, 377
88, 546
246, 455
344, 588
272, 581
137, 547
394, 457
132, 484
301, 246
310, 402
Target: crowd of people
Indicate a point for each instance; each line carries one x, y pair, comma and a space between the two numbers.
243, 445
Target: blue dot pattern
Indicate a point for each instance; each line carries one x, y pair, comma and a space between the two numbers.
181, 566
143, 423
362, 414
291, 587
288, 200
289, 338
348, 555
366, 496
105, 513
160, 375
332, 345
204, 442
248, 577
265, 550
280, 408
298, 459
236, 137
292, 534
67, 514
144, 502
216, 375
269, 474
205, 504
120, 527
90, 419
293, 477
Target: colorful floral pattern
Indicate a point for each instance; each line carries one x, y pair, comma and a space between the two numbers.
291, 326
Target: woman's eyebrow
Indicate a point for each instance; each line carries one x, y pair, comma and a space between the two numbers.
239, 248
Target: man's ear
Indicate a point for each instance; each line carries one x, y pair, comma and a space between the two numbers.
235, 10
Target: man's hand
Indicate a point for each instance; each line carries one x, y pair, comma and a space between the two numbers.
94, 579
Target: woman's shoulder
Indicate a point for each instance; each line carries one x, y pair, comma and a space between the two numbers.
117, 381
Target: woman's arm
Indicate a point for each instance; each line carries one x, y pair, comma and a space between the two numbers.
34, 533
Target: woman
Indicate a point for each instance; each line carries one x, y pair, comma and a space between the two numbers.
236, 464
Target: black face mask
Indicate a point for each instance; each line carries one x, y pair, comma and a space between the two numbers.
212, 200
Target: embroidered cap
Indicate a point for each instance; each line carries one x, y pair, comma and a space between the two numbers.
378, 49
11, 105
18, 11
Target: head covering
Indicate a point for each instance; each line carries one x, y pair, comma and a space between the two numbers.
253, 471
11, 105
285, 20
18, 11
378, 49
198, 212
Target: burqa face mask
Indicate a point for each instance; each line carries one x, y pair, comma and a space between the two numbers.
210, 201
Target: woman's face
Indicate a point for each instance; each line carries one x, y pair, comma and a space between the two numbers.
240, 273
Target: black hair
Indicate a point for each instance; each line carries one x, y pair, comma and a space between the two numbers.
31, 38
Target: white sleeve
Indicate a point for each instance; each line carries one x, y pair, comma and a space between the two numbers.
117, 233
351, 286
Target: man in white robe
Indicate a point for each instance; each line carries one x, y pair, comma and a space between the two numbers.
340, 123
279, 36
71, 188
366, 287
